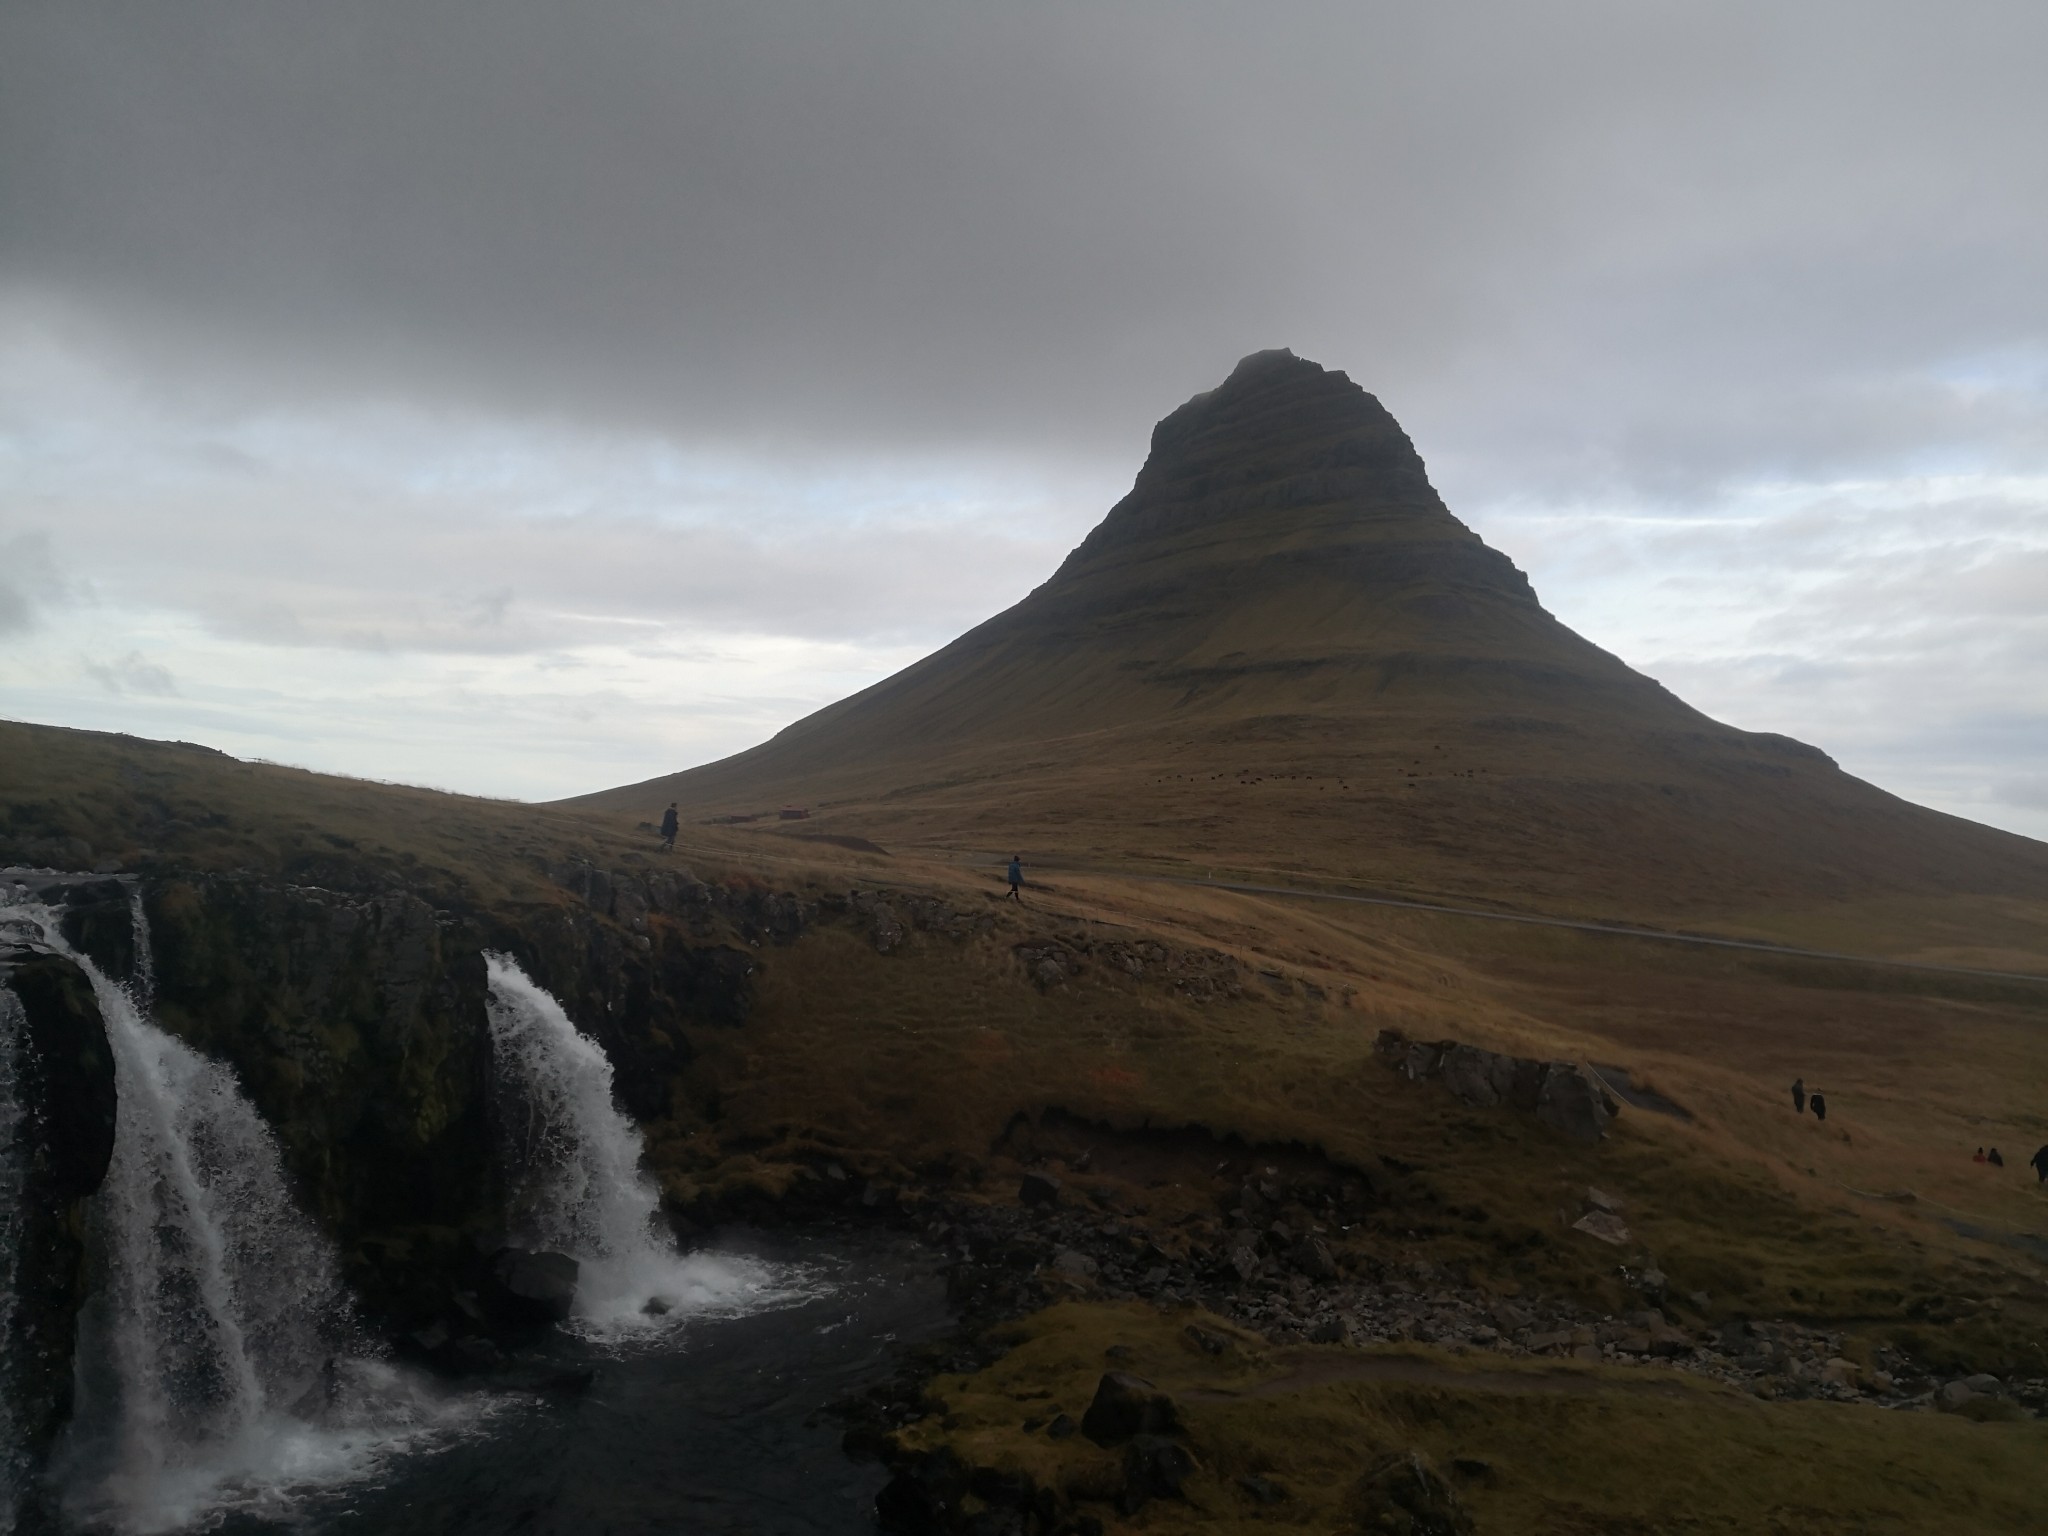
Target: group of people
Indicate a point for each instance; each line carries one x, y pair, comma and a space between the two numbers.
1803, 1101
2039, 1162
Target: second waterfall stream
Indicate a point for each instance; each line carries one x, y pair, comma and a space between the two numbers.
573, 1166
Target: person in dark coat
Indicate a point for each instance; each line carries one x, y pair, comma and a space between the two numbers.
668, 828
2040, 1165
1016, 875
1798, 1095
1994, 1159
1820, 1106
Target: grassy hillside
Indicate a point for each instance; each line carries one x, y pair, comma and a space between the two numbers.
949, 1059
1281, 655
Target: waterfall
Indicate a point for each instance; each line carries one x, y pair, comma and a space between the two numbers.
573, 1161
218, 1361
13, 1024
142, 982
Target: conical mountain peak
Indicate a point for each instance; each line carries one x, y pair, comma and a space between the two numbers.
1280, 649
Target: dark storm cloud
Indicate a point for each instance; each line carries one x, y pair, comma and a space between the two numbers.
444, 376
1580, 244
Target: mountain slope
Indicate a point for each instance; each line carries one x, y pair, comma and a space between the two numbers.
1281, 652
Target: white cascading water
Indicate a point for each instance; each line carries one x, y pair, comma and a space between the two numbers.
218, 1363
573, 1162
142, 984
13, 1025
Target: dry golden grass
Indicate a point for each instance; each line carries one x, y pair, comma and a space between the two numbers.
1584, 1450
926, 1054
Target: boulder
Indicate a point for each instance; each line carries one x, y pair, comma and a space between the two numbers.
1564, 1095
1154, 1468
1072, 1264
1313, 1258
907, 1506
887, 932
1574, 1103
1841, 1373
923, 1500
1604, 1226
1127, 1405
1003, 1489
1039, 1189
1469, 1074
529, 1288
1667, 1340
1402, 1495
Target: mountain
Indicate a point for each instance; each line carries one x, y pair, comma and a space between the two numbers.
1282, 653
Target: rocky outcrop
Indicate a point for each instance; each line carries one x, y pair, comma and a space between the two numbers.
630, 897
531, 1289
63, 1138
1199, 974
1125, 1405
355, 1023
1564, 1095
1402, 1495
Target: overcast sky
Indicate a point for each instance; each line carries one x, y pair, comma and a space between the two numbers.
529, 398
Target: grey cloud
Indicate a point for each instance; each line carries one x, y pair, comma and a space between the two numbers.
2030, 793
132, 673
294, 563
1594, 242
31, 582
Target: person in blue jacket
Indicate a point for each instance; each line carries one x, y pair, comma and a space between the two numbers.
1016, 879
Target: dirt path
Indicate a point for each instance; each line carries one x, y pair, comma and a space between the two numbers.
1616, 930
1319, 1368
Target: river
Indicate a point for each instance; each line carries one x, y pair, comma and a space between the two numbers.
714, 1430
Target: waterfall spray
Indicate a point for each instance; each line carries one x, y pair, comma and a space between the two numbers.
574, 1162
218, 1361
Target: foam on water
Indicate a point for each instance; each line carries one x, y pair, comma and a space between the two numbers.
573, 1164
218, 1363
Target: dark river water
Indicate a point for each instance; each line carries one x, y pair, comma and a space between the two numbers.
715, 1431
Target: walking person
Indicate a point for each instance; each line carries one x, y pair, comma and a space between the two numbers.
1016, 876
1820, 1106
1798, 1095
668, 828
2040, 1166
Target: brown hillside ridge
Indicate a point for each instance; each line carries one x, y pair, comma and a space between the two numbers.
1281, 656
